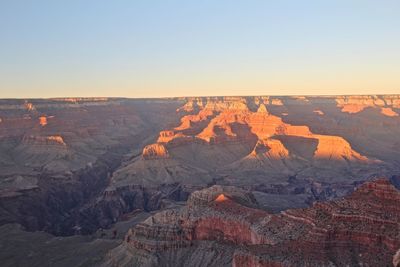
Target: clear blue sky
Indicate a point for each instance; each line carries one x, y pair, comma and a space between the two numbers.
173, 48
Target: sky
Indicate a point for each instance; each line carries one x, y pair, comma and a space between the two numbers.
164, 48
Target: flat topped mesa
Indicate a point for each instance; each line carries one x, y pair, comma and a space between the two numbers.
221, 198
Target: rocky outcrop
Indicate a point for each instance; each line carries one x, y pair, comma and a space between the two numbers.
191, 124
44, 140
218, 192
262, 109
29, 106
210, 215
359, 229
276, 102
165, 136
43, 121
389, 112
355, 104
155, 151
226, 103
269, 154
336, 148
396, 259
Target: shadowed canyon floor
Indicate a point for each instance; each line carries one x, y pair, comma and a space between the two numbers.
91, 168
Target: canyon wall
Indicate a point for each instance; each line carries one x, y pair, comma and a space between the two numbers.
361, 229
139, 154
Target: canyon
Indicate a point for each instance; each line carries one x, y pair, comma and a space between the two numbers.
205, 181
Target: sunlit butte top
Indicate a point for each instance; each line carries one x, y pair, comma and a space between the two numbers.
221, 198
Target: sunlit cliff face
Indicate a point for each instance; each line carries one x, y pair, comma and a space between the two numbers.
389, 112
352, 108
29, 106
155, 151
56, 139
356, 104
233, 120
221, 198
42, 121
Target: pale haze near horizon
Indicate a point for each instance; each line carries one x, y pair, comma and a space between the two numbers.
194, 48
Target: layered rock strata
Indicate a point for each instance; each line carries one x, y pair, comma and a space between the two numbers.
361, 229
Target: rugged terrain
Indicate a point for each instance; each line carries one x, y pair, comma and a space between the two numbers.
77, 166
222, 226
57, 155
290, 150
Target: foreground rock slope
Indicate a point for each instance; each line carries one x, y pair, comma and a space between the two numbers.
222, 226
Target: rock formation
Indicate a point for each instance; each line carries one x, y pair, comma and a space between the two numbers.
361, 229
355, 104
235, 123
246, 141
389, 112
155, 151
74, 165
44, 140
42, 120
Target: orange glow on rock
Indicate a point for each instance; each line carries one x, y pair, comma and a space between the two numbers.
353, 108
221, 198
389, 112
43, 121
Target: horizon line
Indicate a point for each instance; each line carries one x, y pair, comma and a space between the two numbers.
189, 96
